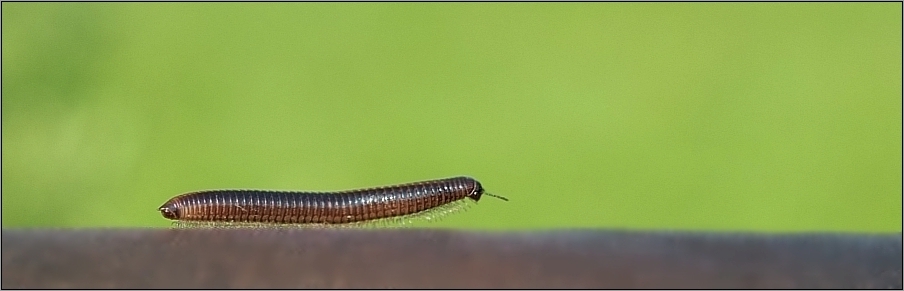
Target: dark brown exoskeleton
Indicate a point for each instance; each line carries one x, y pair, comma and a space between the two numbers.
262, 206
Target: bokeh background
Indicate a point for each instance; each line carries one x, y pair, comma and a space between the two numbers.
769, 117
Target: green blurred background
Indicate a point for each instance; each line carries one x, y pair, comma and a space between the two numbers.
730, 116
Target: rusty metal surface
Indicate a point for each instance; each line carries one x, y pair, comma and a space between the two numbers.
412, 258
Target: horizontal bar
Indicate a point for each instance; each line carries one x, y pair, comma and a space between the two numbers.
423, 258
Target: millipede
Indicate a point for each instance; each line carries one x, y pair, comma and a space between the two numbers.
322, 208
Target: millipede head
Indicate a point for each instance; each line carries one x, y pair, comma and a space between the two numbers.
169, 211
478, 191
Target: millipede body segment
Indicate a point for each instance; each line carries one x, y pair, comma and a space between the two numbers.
290, 207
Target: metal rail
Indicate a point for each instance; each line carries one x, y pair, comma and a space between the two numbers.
414, 258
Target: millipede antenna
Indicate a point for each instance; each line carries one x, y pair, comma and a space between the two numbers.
497, 196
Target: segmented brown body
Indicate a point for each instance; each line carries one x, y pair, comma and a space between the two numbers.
261, 206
